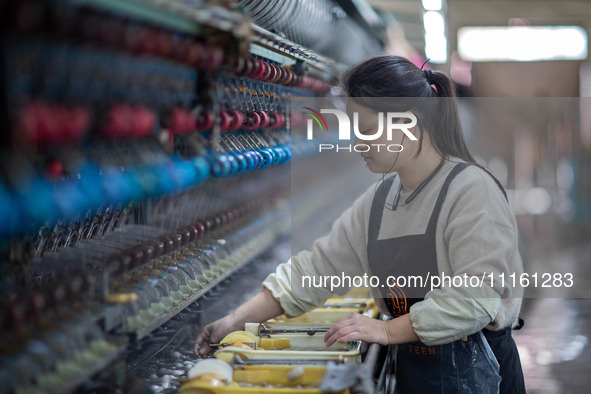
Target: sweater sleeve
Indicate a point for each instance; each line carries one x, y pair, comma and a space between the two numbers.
312, 276
480, 246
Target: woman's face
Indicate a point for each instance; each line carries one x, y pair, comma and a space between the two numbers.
382, 155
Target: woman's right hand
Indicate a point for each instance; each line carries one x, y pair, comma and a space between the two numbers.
215, 332
258, 309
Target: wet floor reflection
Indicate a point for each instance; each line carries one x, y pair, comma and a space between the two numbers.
554, 345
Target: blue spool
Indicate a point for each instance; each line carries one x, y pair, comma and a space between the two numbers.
287, 149
242, 162
151, 185
91, 186
266, 158
274, 155
280, 154
202, 168
38, 202
70, 198
166, 178
220, 166
234, 163
117, 186
257, 158
136, 186
234, 166
251, 162
185, 173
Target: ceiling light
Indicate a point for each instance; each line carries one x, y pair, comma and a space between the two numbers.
432, 5
522, 43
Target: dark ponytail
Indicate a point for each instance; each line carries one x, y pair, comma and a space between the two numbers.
416, 91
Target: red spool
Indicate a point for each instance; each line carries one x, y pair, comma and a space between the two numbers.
252, 121
236, 119
205, 120
143, 122
118, 121
264, 119
225, 121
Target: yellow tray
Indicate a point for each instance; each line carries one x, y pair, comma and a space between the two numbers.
263, 375
299, 341
347, 356
320, 317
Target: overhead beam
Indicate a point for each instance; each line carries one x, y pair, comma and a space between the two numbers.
398, 6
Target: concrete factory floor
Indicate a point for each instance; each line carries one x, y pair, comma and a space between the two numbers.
554, 343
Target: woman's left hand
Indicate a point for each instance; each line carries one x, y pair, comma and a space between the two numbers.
357, 327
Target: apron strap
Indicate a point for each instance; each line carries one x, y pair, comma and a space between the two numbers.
431, 227
377, 209
443, 193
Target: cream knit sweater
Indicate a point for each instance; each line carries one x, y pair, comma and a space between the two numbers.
476, 235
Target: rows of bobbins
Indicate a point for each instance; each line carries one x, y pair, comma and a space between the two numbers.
61, 296
44, 123
142, 253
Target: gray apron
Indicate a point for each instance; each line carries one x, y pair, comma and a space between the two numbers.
474, 365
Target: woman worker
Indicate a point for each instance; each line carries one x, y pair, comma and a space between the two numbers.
438, 212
